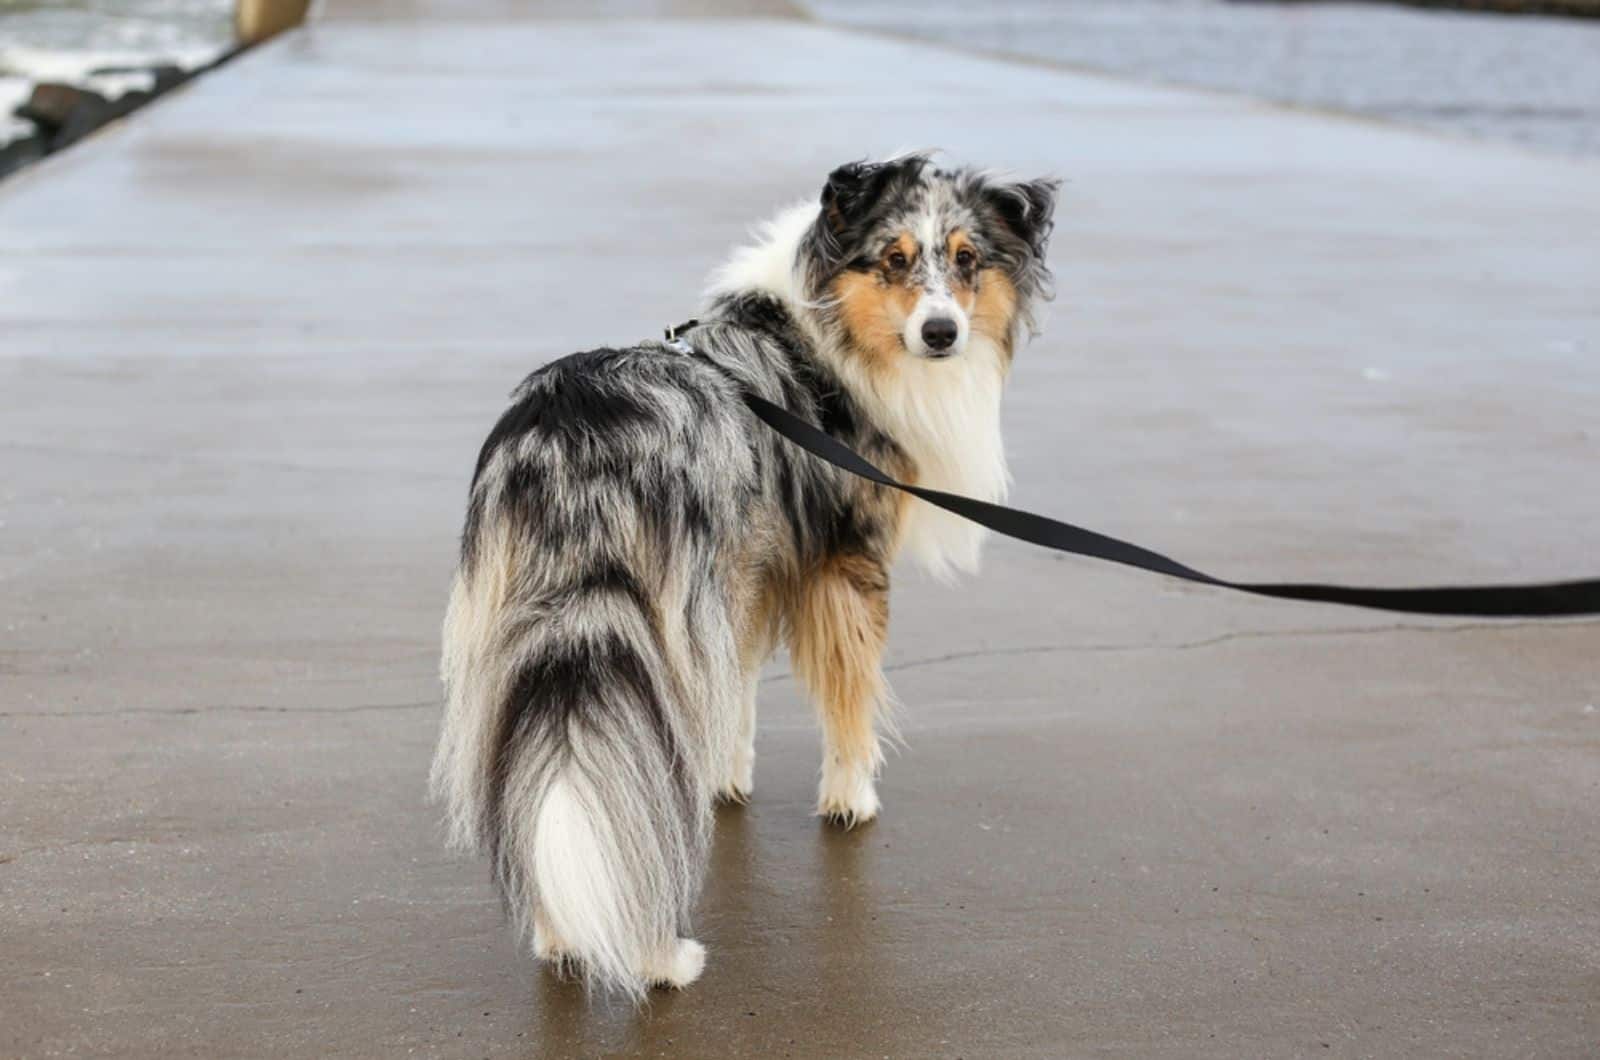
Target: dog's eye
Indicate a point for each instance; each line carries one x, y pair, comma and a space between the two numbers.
965, 258
897, 260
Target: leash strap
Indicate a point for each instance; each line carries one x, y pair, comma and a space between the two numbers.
1548, 600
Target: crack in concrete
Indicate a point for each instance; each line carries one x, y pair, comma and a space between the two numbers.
1208, 642
909, 664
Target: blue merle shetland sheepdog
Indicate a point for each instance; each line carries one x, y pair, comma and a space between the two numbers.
637, 543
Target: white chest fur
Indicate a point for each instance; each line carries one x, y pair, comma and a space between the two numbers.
946, 414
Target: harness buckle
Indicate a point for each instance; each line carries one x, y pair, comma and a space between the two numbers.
674, 339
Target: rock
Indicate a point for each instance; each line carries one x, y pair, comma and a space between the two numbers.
30, 147
65, 114
61, 114
52, 105
90, 116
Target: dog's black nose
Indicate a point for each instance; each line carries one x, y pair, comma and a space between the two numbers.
939, 333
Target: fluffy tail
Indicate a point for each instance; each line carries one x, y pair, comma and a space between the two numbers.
564, 756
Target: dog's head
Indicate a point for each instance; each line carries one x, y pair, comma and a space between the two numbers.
915, 260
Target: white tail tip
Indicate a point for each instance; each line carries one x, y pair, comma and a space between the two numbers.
682, 965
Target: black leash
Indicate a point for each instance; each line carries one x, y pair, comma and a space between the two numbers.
1548, 600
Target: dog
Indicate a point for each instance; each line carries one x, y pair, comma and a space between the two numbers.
636, 544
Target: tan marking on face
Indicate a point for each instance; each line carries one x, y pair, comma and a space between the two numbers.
994, 308
906, 245
874, 307
961, 290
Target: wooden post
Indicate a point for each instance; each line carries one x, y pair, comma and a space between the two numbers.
256, 20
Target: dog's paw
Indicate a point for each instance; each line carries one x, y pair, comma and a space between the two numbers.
548, 947
741, 778
731, 794
847, 796
681, 965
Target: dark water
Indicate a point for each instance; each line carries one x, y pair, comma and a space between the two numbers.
1525, 79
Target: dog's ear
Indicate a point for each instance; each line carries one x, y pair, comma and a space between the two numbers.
855, 187
850, 191
1028, 209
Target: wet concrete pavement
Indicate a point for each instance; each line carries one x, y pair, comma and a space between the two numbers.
250, 341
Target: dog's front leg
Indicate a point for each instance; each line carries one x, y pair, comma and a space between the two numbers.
837, 640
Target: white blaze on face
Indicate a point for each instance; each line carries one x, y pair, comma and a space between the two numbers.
936, 302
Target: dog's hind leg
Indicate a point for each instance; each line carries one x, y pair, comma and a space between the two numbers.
837, 640
757, 632
740, 780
